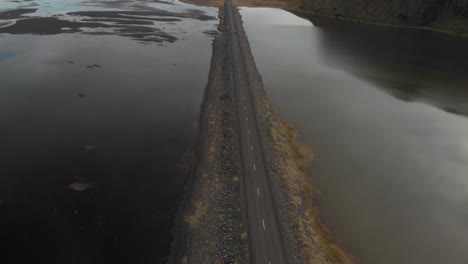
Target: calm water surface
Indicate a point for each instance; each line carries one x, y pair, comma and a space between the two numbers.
385, 112
97, 111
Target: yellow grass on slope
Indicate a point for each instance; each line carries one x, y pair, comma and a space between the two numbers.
290, 158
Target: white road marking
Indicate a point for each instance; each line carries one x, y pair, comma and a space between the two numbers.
243, 98
249, 131
247, 118
254, 167
258, 191
245, 107
251, 148
263, 222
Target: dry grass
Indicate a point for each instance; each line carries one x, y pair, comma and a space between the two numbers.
291, 158
209, 224
200, 210
221, 217
243, 236
288, 161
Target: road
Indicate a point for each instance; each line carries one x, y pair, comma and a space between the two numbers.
265, 239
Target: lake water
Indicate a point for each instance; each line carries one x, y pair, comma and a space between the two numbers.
385, 112
98, 105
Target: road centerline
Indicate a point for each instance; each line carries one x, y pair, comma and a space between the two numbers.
263, 245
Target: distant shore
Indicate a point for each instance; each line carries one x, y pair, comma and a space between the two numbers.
297, 7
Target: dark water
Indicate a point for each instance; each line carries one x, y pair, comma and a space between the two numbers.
385, 112
95, 123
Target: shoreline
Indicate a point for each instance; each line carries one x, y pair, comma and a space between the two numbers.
294, 7
210, 226
305, 236
378, 24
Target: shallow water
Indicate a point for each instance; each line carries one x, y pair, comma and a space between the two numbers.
385, 112
94, 127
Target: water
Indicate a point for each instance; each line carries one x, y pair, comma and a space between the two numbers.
95, 123
385, 112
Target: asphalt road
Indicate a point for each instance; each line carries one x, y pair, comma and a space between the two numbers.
265, 240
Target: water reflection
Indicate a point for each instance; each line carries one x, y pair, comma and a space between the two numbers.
94, 127
5, 55
139, 22
413, 65
391, 172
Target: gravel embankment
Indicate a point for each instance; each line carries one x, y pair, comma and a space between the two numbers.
210, 224
307, 239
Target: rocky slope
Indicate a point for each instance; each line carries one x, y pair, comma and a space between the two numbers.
444, 15
450, 16
209, 225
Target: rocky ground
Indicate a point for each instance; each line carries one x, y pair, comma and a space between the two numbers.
210, 224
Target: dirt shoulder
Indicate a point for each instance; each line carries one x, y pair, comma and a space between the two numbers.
209, 224
306, 237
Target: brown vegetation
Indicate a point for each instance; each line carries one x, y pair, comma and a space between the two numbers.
289, 157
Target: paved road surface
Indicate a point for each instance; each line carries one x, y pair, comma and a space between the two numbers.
265, 240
